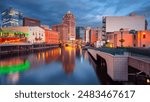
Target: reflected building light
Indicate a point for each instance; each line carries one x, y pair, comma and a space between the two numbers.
43, 56
81, 59
86, 56
15, 68
13, 78
68, 59
39, 56
148, 81
80, 52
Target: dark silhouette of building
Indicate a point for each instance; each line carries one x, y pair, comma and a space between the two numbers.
80, 33
31, 22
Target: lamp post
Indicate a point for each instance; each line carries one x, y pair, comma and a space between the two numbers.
121, 40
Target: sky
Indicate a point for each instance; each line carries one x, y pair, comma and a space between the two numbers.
86, 12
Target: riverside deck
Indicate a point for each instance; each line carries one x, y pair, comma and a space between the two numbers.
6, 49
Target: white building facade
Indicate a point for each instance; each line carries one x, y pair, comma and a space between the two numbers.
115, 23
36, 35
87, 34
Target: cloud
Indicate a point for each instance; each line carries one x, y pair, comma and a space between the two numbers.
87, 12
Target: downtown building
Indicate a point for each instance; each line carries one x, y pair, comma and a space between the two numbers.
140, 39
51, 37
11, 17
115, 23
92, 35
35, 34
31, 22
116, 30
80, 32
62, 30
66, 30
69, 20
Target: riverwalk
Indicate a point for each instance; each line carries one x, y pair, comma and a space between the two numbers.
6, 49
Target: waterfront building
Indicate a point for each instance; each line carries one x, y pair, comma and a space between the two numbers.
62, 30
93, 36
69, 20
31, 22
7, 36
140, 39
80, 33
66, 30
36, 34
114, 39
115, 23
51, 37
11, 17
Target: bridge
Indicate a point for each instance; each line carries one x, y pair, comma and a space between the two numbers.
118, 60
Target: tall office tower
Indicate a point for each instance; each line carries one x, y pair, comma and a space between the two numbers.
69, 20
11, 17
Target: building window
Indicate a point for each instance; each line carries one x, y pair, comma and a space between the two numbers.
143, 45
134, 45
144, 36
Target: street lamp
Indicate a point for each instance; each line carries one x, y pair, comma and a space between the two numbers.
121, 40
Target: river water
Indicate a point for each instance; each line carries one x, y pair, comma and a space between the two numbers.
62, 66
58, 66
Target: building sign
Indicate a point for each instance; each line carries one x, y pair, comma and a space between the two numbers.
12, 36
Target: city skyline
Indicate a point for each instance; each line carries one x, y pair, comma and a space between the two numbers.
88, 15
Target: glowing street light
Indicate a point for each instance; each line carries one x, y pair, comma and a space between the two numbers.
121, 40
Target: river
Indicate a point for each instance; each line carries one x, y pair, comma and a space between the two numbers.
58, 66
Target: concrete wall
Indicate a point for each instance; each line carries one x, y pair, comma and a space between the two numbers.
140, 64
117, 65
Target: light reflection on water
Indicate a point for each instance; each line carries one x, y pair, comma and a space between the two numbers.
68, 65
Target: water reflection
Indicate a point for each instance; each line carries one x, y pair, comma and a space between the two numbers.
10, 69
68, 59
68, 65
13, 65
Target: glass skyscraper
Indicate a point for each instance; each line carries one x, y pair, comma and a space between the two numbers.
80, 32
11, 17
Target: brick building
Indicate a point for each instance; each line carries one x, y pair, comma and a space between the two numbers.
31, 22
